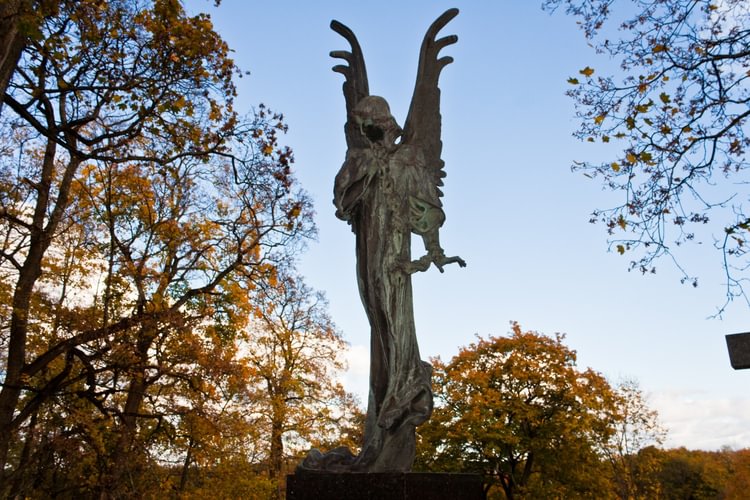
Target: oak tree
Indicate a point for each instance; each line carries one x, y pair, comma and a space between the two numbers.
519, 411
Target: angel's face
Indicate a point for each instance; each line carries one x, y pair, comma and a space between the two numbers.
375, 121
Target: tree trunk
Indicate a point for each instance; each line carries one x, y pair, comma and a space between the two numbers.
276, 456
186, 466
40, 237
124, 460
12, 39
19, 318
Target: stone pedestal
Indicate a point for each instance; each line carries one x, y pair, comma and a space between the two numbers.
385, 486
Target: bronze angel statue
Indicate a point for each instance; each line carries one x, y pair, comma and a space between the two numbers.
387, 189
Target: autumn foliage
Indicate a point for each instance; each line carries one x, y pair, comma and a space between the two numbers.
518, 411
141, 217
155, 338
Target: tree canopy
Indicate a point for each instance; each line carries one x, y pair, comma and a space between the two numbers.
519, 411
140, 215
677, 112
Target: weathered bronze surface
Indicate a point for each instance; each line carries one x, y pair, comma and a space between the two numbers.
388, 189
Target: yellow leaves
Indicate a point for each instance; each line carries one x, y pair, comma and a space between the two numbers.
615, 166
642, 87
620, 249
179, 103
587, 71
267, 149
664, 97
599, 119
659, 48
643, 107
295, 211
631, 157
215, 113
573, 81
514, 393
622, 222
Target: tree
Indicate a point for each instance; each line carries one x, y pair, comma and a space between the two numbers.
295, 354
16, 21
679, 114
696, 474
132, 197
693, 474
636, 428
517, 410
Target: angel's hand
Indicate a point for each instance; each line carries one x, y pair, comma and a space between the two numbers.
440, 260
450, 260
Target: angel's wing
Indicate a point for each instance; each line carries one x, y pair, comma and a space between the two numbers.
422, 127
355, 86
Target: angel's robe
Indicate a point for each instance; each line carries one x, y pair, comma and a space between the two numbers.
386, 193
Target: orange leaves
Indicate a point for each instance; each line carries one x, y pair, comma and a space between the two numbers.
587, 71
507, 399
158, 242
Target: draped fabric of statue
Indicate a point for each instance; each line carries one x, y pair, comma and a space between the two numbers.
387, 189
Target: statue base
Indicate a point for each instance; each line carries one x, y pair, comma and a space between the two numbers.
383, 485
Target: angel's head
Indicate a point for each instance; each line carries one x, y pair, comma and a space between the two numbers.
375, 121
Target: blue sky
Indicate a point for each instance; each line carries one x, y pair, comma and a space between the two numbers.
515, 212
